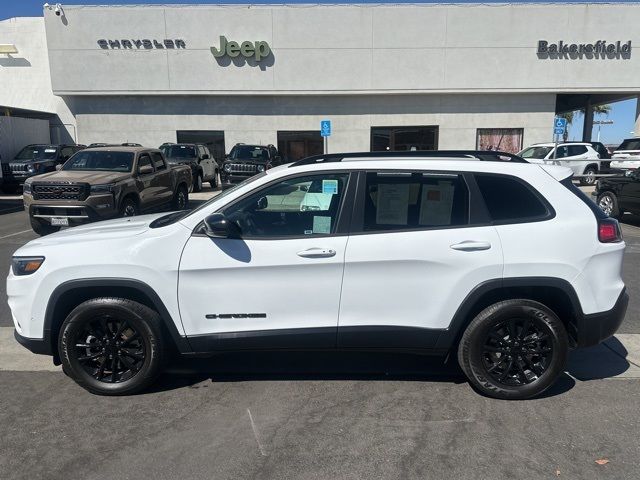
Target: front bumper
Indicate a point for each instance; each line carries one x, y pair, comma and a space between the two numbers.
100, 207
228, 180
41, 346
596, 327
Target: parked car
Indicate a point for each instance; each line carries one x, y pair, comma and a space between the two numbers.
580, 157
245, 161
619, 194
105, 182
603, 151
34, 160
126, 144
428, 255
627, 155
197, 157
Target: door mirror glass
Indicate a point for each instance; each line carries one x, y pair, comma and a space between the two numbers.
262, 203
217, 225
145, 169
59, 166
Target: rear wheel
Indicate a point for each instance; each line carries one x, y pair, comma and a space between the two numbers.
514, 349
608, 203
112, 346
589, 176
181, 199
42, 228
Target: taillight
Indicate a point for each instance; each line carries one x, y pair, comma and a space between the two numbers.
609, 230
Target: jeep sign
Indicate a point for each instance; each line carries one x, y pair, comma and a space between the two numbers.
257, 50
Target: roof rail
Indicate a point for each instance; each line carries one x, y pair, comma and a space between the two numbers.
482, 155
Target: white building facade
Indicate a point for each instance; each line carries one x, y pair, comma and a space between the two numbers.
436, 76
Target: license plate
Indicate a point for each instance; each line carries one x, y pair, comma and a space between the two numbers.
61, 222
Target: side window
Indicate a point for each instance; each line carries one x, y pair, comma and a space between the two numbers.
409, 200
562, 152
577, 150
144, 161
301, 206
509, 200
158, 161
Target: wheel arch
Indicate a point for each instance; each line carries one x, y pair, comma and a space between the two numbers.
130, 194
70, 294
555, 293
594, 165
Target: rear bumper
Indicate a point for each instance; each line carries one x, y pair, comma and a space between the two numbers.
596, 327
41, 346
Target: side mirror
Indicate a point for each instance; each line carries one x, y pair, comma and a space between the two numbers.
145, 169
262, 203
59, 166
217, 225
205, 156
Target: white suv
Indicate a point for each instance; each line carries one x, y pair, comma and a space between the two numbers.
581, 158
506, 265
627, 155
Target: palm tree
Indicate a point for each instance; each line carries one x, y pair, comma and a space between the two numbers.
603, 109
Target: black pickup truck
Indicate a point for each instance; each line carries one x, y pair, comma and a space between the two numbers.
34, 160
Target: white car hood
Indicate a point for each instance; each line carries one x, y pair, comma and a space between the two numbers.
99, 231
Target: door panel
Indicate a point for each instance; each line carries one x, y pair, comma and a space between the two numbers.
145, 182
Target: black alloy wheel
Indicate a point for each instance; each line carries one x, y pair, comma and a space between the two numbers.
109, 349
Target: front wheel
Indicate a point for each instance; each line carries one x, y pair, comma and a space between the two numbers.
514, 349
111, 346
197, 183
608, 203
129, 208
214, 181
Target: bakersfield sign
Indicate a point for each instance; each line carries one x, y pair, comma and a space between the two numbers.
256, 50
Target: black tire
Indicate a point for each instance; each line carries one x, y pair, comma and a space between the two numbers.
129, 208
533, 352
180, 199
608, 203
197, 183
42, 228
214, 181
590, 178
112, 346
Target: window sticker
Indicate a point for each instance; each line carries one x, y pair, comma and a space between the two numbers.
436, 204
330, 187
321, 224
392, 204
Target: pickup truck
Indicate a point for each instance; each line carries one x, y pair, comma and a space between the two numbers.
107, 182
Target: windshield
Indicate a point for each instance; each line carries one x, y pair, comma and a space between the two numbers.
177, 216
100, 161
249, 152
178, 151
535, 152
632, 144
37, 152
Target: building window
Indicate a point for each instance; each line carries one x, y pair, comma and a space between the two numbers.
503, 139
294, 145
213, 139
398, 139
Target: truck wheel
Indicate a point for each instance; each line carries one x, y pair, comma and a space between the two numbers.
129, 208
112, 346
608, 203
181, 199
197, 183
214, 181
514, 349
41, 228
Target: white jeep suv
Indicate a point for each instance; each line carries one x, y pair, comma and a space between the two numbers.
627, 155
506, 265
581, 158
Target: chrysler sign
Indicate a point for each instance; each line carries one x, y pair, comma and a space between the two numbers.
141, 44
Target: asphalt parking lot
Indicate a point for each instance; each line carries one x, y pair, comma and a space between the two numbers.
320, 415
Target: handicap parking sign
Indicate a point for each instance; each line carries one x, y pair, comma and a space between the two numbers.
561, 123
325, 128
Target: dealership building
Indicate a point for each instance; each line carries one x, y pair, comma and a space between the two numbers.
389, 77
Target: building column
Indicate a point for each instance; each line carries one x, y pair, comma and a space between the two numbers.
587, 128
636, 128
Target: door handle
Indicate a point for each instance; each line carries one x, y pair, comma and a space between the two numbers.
317, 253
471, 246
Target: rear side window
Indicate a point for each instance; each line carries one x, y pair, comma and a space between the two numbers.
577, 150
409, 200
509, 200
158, 161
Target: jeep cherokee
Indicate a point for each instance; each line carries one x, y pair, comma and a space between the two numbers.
502, 265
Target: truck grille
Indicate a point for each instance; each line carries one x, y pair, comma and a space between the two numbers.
17, 167
59, 192
242, 168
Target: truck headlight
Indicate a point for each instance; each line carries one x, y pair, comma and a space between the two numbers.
260, 168
25, 265
107, 188
26, 188
227, 167
31, 168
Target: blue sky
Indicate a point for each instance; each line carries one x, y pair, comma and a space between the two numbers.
622, 113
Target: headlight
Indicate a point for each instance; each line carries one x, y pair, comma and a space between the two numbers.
108, 188
260, 168
25, 265
26, 188
227, 167
31, 168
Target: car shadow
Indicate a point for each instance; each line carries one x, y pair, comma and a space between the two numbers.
605, 360
318, 366
629, 219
